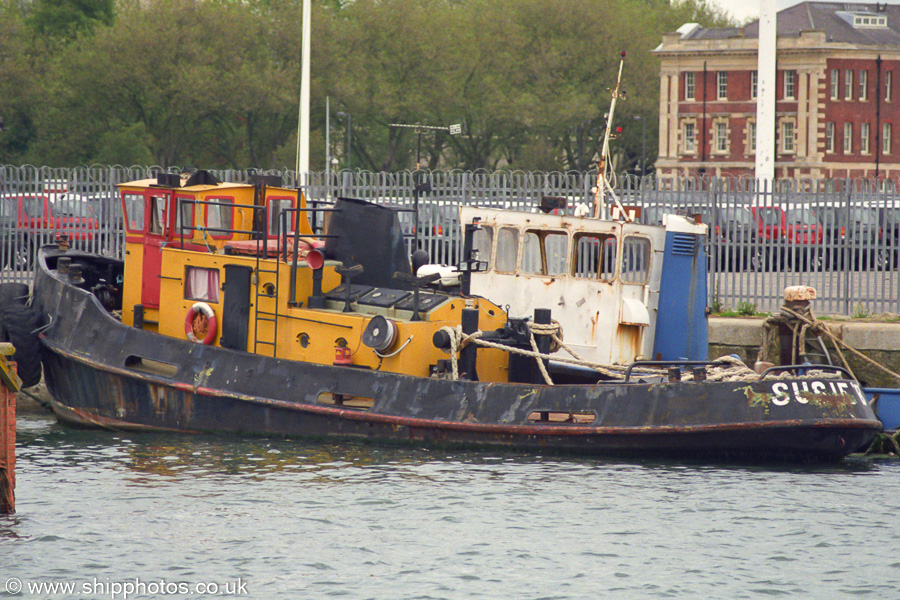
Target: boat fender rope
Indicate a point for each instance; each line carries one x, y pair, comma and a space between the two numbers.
200, 321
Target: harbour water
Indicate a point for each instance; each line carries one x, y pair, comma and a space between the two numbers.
116, 516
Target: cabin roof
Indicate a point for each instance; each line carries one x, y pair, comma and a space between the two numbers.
151, 183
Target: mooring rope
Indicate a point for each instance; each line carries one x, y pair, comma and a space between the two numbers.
732, 368
459, 340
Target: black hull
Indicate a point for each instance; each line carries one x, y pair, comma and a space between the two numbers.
87, 355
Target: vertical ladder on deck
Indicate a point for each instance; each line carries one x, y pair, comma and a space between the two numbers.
265, 303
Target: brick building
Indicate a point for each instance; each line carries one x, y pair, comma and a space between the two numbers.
837, 96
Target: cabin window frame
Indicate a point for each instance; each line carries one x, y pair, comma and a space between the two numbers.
219, 235
202, 279
488, 232
158, 224
185, 210
504, 262
597, 272
647, 246
137, 199
272, 201
543, 269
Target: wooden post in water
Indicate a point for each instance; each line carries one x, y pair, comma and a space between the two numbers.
9, 385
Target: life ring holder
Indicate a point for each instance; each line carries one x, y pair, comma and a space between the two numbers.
198, 309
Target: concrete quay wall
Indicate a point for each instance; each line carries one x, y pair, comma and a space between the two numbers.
878, 341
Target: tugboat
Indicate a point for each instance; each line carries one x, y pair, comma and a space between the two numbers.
233, 312
230, 314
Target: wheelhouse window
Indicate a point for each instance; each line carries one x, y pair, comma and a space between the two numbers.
594, 256
544, 252
507, 249
157, 214
276, 207
184, 216
636, 260
201, 284
219, 213
134, 212
482, 243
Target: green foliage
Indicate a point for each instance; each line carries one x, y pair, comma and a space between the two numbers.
66, 19
860, 311
217, 83
747, 309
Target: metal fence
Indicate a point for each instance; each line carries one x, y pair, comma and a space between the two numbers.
840, 236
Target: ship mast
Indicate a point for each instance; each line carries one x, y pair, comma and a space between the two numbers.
603, 184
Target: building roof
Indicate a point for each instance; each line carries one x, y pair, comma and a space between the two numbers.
866, 24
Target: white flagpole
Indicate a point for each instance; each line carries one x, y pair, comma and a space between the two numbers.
303, 121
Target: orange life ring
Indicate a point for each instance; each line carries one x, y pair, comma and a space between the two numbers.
200, 324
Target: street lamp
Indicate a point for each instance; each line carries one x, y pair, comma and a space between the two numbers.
643, 145
343, 114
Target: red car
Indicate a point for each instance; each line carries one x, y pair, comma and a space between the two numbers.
793, 235
40, 220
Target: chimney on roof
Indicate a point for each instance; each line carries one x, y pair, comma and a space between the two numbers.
880, 7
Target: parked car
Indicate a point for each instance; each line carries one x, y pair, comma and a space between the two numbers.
853, 237
792, 236
438, 229
13, 251
733, 239
39, 220
440, 233
889, 222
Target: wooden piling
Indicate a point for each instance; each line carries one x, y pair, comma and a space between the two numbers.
9, 385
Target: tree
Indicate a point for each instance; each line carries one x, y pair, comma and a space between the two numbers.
66, 19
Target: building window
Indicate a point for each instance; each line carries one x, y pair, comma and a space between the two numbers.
722, 85
863, 84
829, 137
787, 136
751, 137
754, 84
690, 145
790, 84
721, 136
887, 86
864, 138
689, 85
886, 138
848, 138
835, 82
848, 84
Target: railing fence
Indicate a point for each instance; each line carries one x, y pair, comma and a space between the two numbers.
840, 236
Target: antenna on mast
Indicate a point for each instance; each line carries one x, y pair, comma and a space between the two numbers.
603, 185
